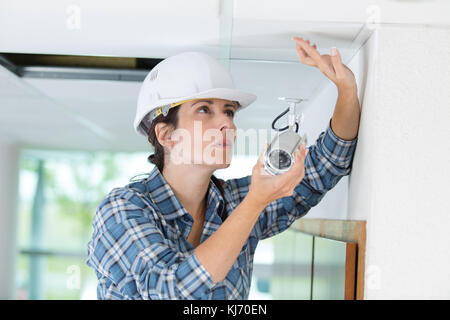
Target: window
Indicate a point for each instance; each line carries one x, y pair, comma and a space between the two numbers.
59, 193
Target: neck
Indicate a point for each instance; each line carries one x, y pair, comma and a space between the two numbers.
190, 185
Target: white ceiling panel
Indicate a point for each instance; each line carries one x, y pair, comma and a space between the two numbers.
132, 28
346, 11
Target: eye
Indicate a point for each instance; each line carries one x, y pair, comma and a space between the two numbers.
230, 113
203, 108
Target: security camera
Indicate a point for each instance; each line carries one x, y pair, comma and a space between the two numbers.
279, 156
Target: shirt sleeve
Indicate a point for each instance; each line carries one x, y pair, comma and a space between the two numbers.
132, 252
327, 161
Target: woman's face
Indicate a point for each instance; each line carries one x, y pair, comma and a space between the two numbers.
206, 133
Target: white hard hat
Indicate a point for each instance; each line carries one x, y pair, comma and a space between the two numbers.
184, 77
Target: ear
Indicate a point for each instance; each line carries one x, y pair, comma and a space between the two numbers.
163, 132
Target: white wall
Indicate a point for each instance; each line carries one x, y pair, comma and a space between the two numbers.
399, 182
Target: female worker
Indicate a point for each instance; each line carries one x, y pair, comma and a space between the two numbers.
181, 233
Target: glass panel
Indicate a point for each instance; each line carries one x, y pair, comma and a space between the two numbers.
271, 40
262, 268
289, 275
55, 227
22, 277
59, 278
329, 269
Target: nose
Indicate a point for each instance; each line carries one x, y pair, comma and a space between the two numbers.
226, 126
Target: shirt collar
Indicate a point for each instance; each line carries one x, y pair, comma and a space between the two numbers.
163, 196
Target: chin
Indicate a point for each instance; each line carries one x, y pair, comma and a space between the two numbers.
220, 165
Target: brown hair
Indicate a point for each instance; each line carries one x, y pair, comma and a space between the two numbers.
157, 158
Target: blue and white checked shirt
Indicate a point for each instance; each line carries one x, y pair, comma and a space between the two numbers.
139, 247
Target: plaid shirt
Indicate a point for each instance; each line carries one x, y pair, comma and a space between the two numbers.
139, 247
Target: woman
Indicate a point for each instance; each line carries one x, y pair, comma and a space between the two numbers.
181, 233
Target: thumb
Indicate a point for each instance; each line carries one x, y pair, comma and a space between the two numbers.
261, 155
337, 61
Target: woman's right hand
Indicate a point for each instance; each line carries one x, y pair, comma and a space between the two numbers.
266, 188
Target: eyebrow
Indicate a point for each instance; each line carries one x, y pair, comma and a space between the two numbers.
210, 102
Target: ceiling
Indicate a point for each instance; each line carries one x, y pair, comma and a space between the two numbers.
252, 38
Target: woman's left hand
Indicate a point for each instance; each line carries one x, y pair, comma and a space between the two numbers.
331, 66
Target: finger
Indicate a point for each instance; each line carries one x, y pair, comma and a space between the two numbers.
300, 156
261, 155
318, 60
301, 52
303, 57
313, 53
260, 163
304, 145
337, 61
297, 168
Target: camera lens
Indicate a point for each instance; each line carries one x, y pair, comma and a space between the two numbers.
280, 159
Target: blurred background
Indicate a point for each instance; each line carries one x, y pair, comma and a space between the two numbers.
70, 72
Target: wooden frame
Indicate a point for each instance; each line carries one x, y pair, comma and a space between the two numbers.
351, 231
